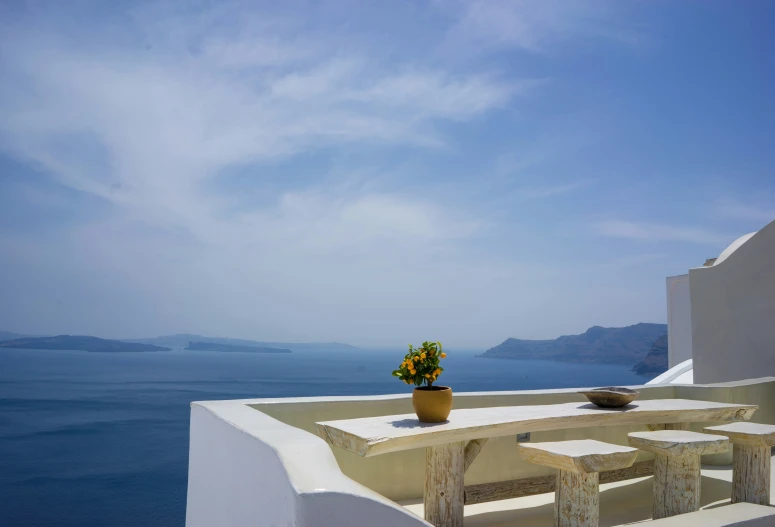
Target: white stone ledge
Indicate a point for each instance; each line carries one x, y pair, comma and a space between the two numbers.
248, 469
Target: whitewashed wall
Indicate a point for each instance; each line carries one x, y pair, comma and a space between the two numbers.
679, 320
733, 311
249, 470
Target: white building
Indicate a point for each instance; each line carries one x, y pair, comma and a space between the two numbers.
721, 316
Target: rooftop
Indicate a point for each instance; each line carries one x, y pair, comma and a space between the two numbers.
259, 461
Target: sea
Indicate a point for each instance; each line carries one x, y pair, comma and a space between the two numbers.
101, 439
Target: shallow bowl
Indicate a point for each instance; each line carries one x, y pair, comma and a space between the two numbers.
611, 396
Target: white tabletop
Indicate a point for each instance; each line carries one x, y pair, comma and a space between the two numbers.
372, 436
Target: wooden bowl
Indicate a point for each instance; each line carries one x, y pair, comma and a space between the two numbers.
611, 396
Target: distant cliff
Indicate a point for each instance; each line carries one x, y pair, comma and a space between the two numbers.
656, 361
7, 335
598, 345
79, 343
214, 346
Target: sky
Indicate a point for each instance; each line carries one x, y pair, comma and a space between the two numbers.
375, 173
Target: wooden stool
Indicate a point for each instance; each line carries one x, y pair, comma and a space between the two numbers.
677, 467
751, 460
578, 462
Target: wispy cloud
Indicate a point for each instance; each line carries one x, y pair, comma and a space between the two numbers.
654, 232
535, 26
745, 211
330, 221
312, 170
547, 191
144, 127
155, 121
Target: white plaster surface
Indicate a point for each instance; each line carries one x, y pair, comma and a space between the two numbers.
739, 514
679, 320
247, 469
686, 377
680, 374
726, 253
732, 311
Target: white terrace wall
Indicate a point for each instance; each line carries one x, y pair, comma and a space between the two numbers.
399, 475
249, 470
733, 312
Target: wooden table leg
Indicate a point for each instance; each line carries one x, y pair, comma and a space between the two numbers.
751, 474
676, 485
472, 450
443, 496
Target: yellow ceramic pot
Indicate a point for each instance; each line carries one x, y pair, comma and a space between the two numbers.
432, 404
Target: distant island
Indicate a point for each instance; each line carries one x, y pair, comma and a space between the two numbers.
214, 346
78, 343
181, 341
656, 361
628, 346
7, 335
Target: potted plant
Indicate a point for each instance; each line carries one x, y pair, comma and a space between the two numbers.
421, 367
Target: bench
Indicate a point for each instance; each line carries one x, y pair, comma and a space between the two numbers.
677, 453
578, 464
751, 463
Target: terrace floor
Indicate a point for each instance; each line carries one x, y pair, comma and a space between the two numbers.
621, 503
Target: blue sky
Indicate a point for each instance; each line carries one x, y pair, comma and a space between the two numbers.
374, 172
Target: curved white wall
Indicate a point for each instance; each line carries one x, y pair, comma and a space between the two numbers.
732, 247
247, 469
679, 374
733, 311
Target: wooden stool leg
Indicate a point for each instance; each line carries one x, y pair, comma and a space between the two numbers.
751, 474
676, 485
677, 426
669, 426
443, 496
576, 499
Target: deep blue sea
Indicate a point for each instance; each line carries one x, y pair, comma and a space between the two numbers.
101, 440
